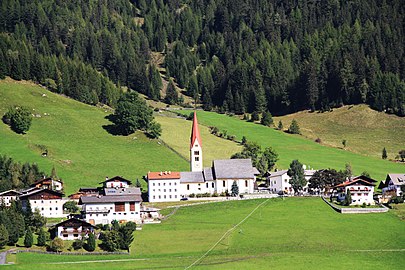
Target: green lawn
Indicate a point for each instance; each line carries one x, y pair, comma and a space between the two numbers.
291, 147
298, 233
80, 149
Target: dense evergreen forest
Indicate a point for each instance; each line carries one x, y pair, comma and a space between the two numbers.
233, 55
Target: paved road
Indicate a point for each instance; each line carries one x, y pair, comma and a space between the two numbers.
3, 257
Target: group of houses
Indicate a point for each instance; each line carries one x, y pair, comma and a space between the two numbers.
117, 200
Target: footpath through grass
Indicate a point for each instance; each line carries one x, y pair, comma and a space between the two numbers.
82, 151
294, 233
290, 147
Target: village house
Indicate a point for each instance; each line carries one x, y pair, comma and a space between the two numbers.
172, 186
392, 184
8, 196
116, 201
361, 190
48, 202
72, 229
279, 181
48, 183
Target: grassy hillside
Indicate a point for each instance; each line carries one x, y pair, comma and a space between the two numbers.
79, 147
302, 233
366, 131
177, 131
291, 147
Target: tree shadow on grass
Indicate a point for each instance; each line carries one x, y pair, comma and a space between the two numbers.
112, 128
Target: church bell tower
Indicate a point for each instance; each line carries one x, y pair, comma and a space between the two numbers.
196, 162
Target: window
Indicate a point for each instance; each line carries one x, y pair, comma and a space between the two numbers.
170, 183
175, 183
132, 206
212, 184
42, 209
164, 190
65, 235
104, 215
196, 153
223, 183
153, 184
197, 158
175, 190
119, 207
56, 208
158, 184
170, 196
206, 185
164, 184
50, 208
196, 145
75, 235
164, 196
188, 187
170, 190
159, 196
246, 183
154, 197
175, 196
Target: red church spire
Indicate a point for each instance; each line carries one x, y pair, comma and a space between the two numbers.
195, 132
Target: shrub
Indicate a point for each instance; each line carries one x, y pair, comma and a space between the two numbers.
56, 245
255, 116
231, 137
19, 119
318, 140
294, 128
91, 242
192, 195
215, 194
77, 244
364, 205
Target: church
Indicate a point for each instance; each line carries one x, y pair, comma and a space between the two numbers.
168, 186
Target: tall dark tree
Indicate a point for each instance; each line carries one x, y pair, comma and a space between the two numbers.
297, 178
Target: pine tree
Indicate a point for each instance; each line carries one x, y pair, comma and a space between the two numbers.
294, 128
384, 153
91, 242
3, 235
280, 125
172, 96
267, 119
234, 189
41, 238
28, 240
348, 198
296, 172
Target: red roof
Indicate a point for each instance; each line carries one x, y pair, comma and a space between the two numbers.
349, 183
163, 175
195, 132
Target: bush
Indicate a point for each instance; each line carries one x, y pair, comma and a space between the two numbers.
231, 137
255, 116
91, 242
56, 245
294, 128
318, 140
215, 194
192, 195
77, 244
363, 205
19, 119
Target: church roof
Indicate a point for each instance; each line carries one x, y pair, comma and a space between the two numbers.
208, 174
191, 177
195, 132
163, 175
233, 169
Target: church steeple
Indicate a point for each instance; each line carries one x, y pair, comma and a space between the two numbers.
196, 163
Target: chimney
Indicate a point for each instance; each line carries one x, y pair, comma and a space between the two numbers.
106, 178
170, 172
160, 173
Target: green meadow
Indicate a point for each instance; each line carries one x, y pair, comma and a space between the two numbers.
82, 151
294, 233
290, 147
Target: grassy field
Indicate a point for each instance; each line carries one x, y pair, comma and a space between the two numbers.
177, 131
366, 131
290, 147
82, 151
294, 233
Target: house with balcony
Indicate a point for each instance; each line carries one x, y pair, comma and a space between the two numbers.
393, 184
72, 229
361, 190
116, 182
48, 183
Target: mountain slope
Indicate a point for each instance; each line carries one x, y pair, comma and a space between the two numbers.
81, 150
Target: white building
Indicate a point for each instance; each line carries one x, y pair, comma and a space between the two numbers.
8, 196
172, 186
392, 184
116, 182
48, 202
73, 229
121, 204
361, 190
48, 183
280, 181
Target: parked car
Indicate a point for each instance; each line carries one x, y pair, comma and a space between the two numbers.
184, 199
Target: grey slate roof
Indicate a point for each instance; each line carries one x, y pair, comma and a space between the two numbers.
397, 178
122, 191
191, 177
110, 199
208, 175
233, 169
278, 173
11, 191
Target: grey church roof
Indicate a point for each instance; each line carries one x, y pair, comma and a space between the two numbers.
208, 175
191, 177
233, 169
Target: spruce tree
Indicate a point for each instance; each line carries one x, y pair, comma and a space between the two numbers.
280, 125
294, 128
384, 153
234, 189
41, 241
3, 235
91, 242
28, 240
348, 198
267, 119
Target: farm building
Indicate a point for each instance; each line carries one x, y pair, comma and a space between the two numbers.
361, 190
8, 196
48, 202
279, 181
393, 184
72, 229
172, 186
